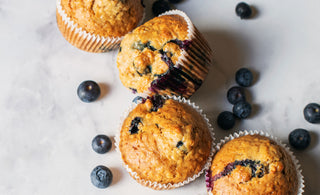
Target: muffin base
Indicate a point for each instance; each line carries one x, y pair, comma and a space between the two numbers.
83, 40
300, 178
156, 185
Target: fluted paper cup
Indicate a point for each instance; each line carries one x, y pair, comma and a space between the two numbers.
300, 187
167, 186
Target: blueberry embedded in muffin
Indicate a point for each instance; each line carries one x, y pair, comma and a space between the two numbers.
162, 57
250, 165
164, 141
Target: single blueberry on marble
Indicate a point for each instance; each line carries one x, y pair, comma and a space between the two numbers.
160, 6
243, 10
236, 94
299, 139
226, 120
101, 176
88, 91
312, 113
242, 109
244, 77
101, 144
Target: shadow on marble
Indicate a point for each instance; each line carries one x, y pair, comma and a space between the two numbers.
309, 169
105, 89
116, 175
230, 52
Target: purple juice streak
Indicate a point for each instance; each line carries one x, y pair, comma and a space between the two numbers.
209, 182
231, 166
182, 44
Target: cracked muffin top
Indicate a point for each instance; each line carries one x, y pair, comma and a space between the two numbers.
252, 164
165, 141
108, 18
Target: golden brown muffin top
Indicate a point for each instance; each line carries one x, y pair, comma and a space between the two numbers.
253, 164
108, 18
141, 56
165, 143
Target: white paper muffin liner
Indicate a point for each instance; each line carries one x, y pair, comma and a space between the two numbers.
195, 61
286, 148
82, 39
159, 186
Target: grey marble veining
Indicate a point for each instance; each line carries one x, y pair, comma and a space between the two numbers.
46, 131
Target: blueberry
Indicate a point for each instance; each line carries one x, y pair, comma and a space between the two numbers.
312, 113
101, 176
244, 77
243, 10
157, 102
242, 109
88, 91
134, 127
101, 144
179, 144
226, 120
299, 139
236, 94
175, 1
160, 6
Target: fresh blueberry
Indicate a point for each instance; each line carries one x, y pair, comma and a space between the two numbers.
88, 91
312, 113
242, 109
236, 94
101, 144
160, 6
134, 127
243, 10
175, 1
299, 139
101, 176
226, 120
244, 77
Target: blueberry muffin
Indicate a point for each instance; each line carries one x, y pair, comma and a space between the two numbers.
164, 142
98, 25
252, 164
167, 55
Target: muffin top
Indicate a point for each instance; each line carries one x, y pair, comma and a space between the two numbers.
108, 18
149, 55
165, 141
252, 164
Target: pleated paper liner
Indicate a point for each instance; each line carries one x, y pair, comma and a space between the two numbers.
81, 39
159, 186
194, 61
286, 148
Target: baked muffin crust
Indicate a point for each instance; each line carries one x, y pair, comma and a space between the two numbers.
165, 143
151, 50
252, 164
108, 18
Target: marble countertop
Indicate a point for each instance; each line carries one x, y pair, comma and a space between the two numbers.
46, 131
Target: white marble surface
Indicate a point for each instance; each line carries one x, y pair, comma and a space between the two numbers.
46, 131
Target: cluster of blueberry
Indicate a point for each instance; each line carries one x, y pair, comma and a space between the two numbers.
101, 176
236, 96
